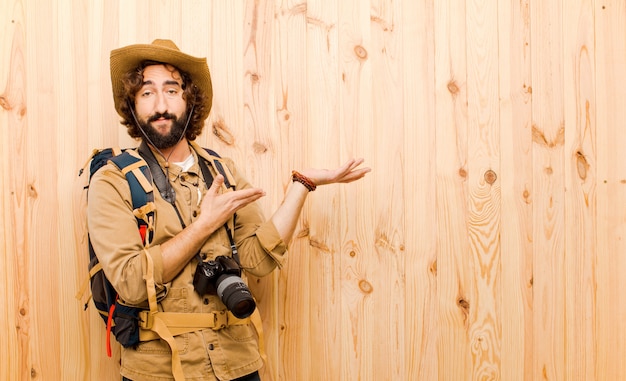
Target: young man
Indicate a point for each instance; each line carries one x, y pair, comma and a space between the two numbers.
164, 96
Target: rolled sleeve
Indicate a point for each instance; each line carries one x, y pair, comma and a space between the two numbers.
273, 244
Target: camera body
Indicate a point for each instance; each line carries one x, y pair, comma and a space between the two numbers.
222, 276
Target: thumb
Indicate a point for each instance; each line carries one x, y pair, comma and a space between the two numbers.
218, 181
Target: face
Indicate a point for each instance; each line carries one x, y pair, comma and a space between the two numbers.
160, 106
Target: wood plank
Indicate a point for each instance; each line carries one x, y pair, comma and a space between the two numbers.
40, 145
610, 309
386, 264
516, 182
484, 214
548, 185
420, 258
14, 291
356, 114
454, 275
581, 184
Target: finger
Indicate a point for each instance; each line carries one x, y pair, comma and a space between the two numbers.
355, 175
218, 181
350, 165
355, 163
241, 198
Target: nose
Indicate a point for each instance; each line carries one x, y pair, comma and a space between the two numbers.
161, 103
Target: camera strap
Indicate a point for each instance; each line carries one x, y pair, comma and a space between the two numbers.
208, 179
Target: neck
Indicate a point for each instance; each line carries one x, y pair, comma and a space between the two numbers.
178, 152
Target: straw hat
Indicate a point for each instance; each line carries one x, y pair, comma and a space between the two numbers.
129, 57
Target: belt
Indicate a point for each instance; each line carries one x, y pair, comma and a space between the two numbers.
180, 322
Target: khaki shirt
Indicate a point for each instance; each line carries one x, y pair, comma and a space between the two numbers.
205, 354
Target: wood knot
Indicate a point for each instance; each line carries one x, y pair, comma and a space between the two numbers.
366, 286
433, 268
320, 245
259, 148
490, 177
360, 52
453, 88
462, 172
32, 191
581, 165
303, 233
222, 133
284, 115
464, 304
4, 103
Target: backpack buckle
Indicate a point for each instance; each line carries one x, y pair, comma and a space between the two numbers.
146, 319
220, 320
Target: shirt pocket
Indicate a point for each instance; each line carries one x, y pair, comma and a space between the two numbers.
239, 333
176, 300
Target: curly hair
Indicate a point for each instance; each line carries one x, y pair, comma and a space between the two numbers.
193, 95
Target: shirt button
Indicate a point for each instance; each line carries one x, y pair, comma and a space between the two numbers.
210, 347
183, 178
206, 301
195, 213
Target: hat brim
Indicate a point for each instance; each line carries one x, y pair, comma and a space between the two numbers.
129, 57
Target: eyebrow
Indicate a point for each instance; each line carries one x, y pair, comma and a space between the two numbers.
168, 82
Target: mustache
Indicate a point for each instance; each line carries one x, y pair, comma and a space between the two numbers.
159, 115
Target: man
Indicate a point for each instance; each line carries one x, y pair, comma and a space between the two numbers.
164, 96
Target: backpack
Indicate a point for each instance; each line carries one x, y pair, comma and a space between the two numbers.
120, 320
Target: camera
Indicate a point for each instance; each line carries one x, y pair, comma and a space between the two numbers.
222, 276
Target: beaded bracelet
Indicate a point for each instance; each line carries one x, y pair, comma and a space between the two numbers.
308, 184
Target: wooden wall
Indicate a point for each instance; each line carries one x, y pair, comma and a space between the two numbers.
488, 243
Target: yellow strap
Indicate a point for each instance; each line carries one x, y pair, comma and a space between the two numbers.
161, 329
142, 212
214, 320
179, 322
255, 318
83, 287
145, 184
156, 323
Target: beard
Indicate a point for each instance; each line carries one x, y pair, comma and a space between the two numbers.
160, 140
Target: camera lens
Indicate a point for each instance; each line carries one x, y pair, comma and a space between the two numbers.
235, 295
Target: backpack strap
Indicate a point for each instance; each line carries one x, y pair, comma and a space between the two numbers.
139, 179
221, 168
